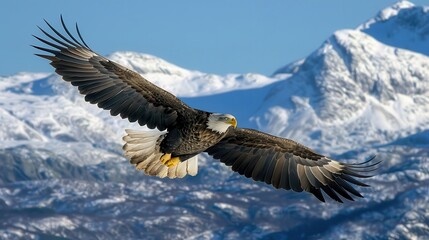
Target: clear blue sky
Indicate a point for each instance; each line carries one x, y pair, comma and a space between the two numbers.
221, 36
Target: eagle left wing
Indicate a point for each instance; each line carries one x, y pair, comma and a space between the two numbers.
286, 164
110, 85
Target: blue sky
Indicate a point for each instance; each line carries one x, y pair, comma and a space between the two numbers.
220, 36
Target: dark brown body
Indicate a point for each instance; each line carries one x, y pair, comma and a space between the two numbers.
190, 139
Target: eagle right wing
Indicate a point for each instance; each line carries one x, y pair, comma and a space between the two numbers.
286, 164
110, 85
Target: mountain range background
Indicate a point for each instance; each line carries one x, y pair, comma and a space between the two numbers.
364, 91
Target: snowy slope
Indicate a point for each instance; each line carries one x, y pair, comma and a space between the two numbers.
363, 92
355, 86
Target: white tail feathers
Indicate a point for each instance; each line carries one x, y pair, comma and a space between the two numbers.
142, 148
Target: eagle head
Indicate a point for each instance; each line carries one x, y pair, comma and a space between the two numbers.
221, 122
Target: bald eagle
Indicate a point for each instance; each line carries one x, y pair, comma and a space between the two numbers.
184, 132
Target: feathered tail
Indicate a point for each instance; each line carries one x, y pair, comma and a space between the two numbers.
143, 150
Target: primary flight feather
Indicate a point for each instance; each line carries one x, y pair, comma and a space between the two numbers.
280, 162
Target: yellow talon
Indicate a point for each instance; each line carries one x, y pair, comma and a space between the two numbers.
165, 158
172, 162
168, 161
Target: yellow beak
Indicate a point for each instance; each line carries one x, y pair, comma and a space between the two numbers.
233, 122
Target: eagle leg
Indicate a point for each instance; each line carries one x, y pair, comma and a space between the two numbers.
168, 161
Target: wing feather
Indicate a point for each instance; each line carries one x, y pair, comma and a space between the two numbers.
241, 168
272, 159
289, 165
258, 167
277, 172
284, 179
249, 170
108, 84
294, 179
347, 187
318, 175
328, 190
334, 185
304, 181
311, 178
317, 193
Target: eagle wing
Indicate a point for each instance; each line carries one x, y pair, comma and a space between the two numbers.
109, 85
286, 164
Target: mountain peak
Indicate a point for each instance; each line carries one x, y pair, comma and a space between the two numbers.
402, 25
393, 10
147, 64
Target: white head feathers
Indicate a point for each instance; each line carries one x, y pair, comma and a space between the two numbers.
220, 122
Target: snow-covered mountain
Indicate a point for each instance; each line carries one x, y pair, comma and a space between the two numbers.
362, 92
183, 82
352, 85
